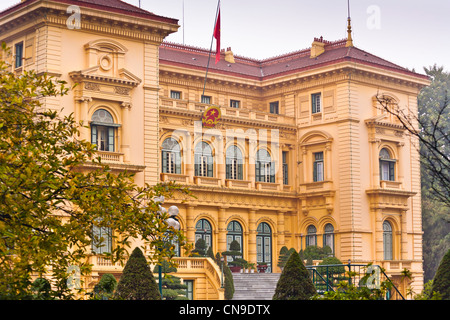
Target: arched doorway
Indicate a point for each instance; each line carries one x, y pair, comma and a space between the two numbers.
203, 230
264, 245
234, 232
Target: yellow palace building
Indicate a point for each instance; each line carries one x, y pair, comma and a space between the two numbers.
288, 151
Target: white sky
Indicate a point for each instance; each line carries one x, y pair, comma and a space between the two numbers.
411, 33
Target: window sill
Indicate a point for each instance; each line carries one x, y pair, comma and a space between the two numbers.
107, 156
242, 184
180, 178
387, 184
209, 181
267, 186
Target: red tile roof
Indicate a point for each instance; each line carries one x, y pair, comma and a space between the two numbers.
197, 58
116, 6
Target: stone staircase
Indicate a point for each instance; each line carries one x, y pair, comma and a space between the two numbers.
254, 286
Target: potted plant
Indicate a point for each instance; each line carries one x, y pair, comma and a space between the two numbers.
262, 267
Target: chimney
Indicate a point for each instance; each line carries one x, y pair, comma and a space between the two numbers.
317, 47
229, 56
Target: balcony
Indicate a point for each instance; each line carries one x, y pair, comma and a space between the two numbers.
179, 178
207, 181
267, 186
240, 184
236, 113
107, 156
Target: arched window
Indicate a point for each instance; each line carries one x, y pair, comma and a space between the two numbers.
264, 167
101, 240
203, 230
311, 236
328, 236
264, 245
234, 163
234, 232
204, 162
171, 156
387, 166
103, 130
387, 241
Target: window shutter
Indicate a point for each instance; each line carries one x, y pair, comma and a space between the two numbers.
257, 171
110, 139
240, 174
315, 171
210, 162
272, 172
177, 163
94, 136
391, 171
228, 170
197, 160
165, 168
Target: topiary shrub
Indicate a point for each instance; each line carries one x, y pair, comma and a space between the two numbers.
106, 286
441, 281
295, 282
137, 281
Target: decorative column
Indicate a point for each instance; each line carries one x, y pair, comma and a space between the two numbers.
84, 107
222, 235
280, 228
375, 163
400, 164
252, 236
125, 147
190, 227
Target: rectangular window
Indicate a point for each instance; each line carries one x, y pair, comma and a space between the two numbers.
103, 138
203, 166
318, 167
171, 162
206, 99
175, 94
234, 103
101, 240
190, 289
274, 107
315, 103
234, 169
285, 168
19, 55
265, 172
387, 170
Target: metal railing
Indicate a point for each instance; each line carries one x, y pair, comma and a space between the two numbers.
327, 278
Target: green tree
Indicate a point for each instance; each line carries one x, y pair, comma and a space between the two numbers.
173, 289
137, 281
295, 282
49, 204
104, 289
441, 282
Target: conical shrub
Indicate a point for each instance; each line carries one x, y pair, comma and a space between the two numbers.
137, 281
441, 282
295, 282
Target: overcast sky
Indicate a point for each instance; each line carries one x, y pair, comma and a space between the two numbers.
411, 33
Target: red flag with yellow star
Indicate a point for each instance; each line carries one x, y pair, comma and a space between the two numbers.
217, 36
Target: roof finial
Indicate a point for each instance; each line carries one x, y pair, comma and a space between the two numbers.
349, 27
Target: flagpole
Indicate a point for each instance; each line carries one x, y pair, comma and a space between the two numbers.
210, 49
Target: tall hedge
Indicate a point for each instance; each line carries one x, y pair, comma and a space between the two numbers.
137, 281
441, 282
295, 282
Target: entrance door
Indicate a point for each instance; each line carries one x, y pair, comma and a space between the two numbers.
264, 245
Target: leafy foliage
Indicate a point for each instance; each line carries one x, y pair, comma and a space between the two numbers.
295, 282
49, 204
137, 281
441, 282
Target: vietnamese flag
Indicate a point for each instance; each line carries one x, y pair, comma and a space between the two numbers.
217, 36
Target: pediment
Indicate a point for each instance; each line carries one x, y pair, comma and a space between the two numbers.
124, 76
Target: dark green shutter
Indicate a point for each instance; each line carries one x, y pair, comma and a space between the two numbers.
110, 139
164, 162
94, 136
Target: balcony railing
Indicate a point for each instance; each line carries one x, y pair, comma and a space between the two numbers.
241, 113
